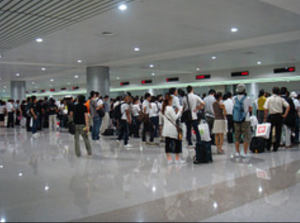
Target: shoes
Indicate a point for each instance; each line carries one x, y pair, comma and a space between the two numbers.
237, 155
170, 162
180, 162
191, 147
128, 146
196, 162
245, 156
118, 141
35, 136
221, 152
152, 143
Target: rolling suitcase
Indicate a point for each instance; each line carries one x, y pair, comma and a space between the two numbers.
203, 153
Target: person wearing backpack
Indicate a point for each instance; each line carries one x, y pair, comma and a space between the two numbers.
95, 105
241, 117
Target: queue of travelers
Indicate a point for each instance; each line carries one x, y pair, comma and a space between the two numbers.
172, 118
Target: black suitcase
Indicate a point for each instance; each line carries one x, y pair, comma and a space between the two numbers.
109, 132
258, 145
203, 153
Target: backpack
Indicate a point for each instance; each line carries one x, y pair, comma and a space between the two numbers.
258, 145
239, 114
118, 113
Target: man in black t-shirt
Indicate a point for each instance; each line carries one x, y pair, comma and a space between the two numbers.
35, 119
81, 121
52, 112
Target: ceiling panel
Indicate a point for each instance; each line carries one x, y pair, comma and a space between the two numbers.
23, 20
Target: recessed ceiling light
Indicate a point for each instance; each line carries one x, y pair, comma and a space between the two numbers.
39, 40
50, 85
259, 63
79, 61
137, 49
151, 65
118, 78
20, 174
214, 58
18, 75
234, 30
52, 80
123, 7
198, 69
4, 86
32, 82
153, 74
69, 83
76, 76
3, 91
43, 69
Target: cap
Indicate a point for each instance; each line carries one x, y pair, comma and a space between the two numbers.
241, 88
294, 95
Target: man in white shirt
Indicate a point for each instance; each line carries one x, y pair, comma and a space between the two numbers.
274, 107
209, 111
125, 122
176, 102
229, 109
10, 111
242, 127
95, 106
195, 104
148, 126
294, 97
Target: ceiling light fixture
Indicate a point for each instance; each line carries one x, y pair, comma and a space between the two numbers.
18, 75
123, 7
4, 86
79, 61
76, 76
52, 80
214, 58
153, 74
234, 30
43, 69
137, 49
39, 40
32, 82
151, 65
198, 69
259, 63
118, 78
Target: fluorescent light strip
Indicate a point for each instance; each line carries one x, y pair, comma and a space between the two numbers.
183, 85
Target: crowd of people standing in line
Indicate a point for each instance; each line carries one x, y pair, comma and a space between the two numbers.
162, 118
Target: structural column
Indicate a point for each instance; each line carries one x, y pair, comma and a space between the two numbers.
18, 90
98, 79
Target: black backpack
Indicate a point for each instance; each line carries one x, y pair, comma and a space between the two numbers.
258, 145
118, 113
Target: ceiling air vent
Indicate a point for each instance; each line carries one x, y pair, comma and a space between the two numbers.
108, 33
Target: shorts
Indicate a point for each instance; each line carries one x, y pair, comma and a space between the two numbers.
1, 117
242, 129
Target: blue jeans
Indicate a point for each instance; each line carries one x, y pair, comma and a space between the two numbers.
96, 128
189, 126
35, 125
124, 134
155, 121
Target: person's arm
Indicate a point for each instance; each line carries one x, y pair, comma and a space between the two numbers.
86, 117
224, 109
128, 116
287, 112
33, 113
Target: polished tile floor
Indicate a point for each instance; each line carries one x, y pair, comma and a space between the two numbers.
42, 180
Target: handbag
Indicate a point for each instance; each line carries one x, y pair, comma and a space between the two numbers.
143, 117
204, 131
71, 126
187, 115
101, 113
179, 130
263, 131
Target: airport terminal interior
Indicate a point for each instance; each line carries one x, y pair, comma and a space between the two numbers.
125, 49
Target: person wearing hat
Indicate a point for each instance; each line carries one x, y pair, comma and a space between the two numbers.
242, 127
294, 97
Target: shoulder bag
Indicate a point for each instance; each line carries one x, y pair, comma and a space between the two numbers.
187, 115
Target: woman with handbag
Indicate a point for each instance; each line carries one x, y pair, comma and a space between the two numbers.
172, 132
